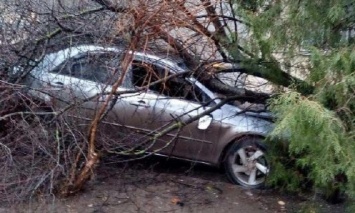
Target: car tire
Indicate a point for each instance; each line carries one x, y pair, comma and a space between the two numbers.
246, 164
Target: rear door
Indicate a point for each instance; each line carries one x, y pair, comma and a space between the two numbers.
87, 82
80, 86
82, 78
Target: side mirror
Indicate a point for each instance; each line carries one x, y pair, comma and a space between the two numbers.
204, 122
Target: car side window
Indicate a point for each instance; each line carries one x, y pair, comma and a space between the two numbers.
89, 69
97, 67
144, 74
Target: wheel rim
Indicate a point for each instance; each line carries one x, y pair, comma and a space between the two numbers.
249, 165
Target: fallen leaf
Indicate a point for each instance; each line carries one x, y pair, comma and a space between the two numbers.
281, 203
177, 201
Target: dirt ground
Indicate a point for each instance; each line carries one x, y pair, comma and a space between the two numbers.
158, 185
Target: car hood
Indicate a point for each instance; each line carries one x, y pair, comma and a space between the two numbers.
244, 121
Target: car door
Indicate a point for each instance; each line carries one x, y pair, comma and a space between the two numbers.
80, 78
81, 84
90, 79
191, 142
175, 100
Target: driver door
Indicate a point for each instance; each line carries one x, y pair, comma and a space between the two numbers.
177, 100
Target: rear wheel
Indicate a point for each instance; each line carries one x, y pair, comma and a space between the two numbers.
246, 164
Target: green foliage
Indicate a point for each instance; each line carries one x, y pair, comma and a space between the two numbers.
290, 24
334, 74
320, 128
319, 149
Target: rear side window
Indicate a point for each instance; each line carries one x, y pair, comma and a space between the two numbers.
98, 67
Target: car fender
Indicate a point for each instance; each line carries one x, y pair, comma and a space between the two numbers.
228, 139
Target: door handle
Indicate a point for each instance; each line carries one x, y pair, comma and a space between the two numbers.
56, 84
140, 103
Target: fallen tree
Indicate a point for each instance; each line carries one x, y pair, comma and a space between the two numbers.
262, 39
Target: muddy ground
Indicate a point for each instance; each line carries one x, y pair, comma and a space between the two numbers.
161, 185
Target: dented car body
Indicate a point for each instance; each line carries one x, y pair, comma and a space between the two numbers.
155, 92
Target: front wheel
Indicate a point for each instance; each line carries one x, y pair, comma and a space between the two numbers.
246, 164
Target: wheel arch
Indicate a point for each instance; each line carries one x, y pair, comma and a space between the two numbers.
222, 155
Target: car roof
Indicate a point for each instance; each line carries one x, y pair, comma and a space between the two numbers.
52, 60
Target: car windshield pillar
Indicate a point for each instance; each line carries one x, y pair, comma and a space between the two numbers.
207, 94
